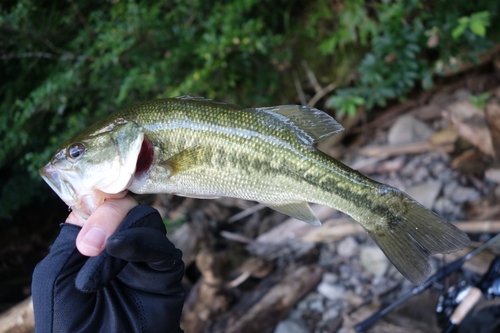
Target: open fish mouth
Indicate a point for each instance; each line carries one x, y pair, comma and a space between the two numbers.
59, 185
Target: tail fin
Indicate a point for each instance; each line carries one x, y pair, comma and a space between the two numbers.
409, 237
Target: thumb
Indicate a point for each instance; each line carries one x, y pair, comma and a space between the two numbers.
91, 240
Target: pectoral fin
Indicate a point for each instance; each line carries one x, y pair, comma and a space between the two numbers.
296, 209
187, 159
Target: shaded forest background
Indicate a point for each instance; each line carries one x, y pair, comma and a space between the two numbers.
66, 64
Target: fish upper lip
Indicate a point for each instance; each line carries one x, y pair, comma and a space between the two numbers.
53, 179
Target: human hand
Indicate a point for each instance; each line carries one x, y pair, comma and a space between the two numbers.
132, 286
91, 240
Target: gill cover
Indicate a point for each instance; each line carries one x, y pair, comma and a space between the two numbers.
127, 141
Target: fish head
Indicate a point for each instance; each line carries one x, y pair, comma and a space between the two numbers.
94, 166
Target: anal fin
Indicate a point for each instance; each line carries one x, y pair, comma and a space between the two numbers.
299, 210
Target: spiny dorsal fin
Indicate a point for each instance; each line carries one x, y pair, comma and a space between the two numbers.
205, 100
311, 124
314, 125
193, 98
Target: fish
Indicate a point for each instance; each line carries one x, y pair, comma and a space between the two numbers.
196, 147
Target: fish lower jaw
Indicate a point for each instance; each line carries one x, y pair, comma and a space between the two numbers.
138, 184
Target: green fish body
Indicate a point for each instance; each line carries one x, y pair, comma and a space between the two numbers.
199, 148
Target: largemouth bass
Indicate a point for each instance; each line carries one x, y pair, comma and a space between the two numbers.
199, 148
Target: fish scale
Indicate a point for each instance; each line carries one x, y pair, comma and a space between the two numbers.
204, 149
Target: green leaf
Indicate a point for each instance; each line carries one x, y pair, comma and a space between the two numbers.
458, 31
483, 17
478, 28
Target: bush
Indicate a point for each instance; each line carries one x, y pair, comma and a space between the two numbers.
67, 64
411, 41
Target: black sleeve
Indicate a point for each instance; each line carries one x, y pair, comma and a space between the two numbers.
134, 286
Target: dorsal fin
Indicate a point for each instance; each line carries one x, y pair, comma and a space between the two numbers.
206, 100
314, 125
193, 98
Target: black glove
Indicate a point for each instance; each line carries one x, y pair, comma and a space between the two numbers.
133, 286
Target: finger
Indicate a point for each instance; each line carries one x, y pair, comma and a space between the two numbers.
140, 244
91, 240
77, 219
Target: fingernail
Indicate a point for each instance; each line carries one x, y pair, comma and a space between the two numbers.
94, 238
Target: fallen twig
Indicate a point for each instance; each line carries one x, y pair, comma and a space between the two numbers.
244, 213
258, 314
298, 87
320, 94
311, 76
19, 318
409, 148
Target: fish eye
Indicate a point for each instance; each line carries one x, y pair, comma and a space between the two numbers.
75, 151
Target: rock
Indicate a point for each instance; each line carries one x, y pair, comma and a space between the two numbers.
331, 278
450, 187
463, 194
437, 168
327, 254
290, 326
461, 94
330, 314
317, 305
444, 206
410, 168
333, 292
425, 193
347, 247
421, 174
493, 175
374, 260
408, 129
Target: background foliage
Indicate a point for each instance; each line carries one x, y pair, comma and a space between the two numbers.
65, 64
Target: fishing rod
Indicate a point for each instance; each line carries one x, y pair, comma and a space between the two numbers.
460, 299
440, 274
